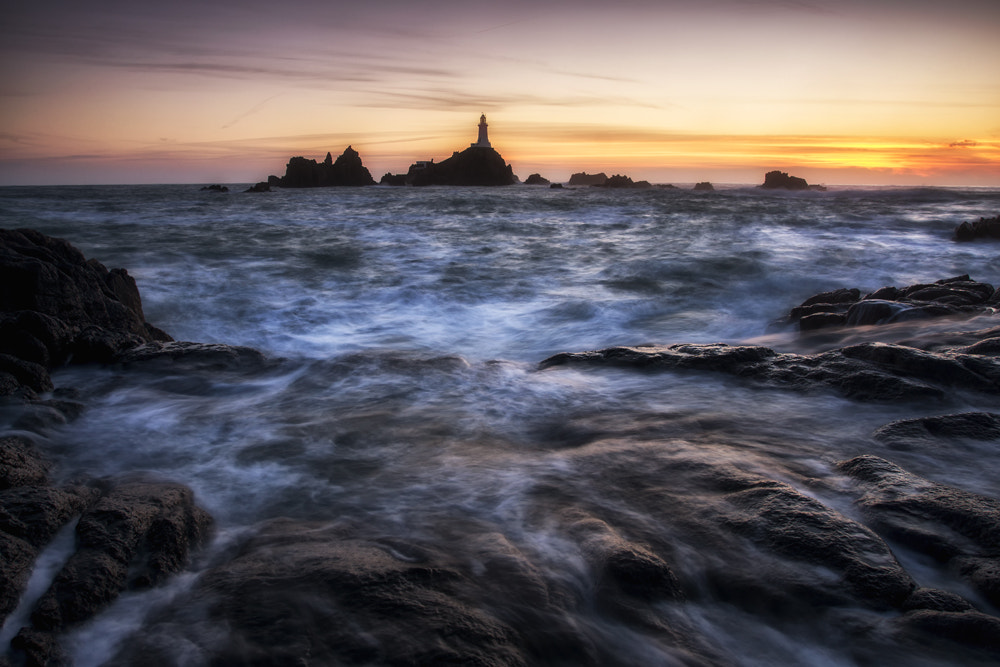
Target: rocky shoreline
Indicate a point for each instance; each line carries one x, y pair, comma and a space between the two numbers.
291, 591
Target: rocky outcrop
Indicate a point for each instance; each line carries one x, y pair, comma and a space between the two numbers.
393, 179
704, 186
57, 307
130, 534
866, 371
984, 228
779, 180
347, 170
263, 186
955, 527
215, 188
583, 178
536, 179
957, 296
476, 165
619, 181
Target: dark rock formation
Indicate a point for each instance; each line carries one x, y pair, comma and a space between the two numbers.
704, 186
298, 592
867, 371
263, 186
215, 188
556, 186
347, 170
536, 179
56, 306
958, 296
476, 165
583, 178
948, 524
779, 180
393, 179
984, 228
131, 533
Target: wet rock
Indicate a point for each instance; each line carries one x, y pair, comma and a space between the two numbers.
984, 228
347, 170
956, 296
926, 430
263, 186
21, 464
968, 628
193, 356
298, 592
863, 372
949, 524
134, 536
936, 600
536, 179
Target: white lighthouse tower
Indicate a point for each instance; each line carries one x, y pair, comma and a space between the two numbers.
484, 140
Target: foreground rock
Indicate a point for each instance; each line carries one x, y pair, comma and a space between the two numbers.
347, 170
130, 534
952, 526
984, 228
60, 307
957, 296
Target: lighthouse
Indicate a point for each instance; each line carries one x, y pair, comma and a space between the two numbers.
484, 140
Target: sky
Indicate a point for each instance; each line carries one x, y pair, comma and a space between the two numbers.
881, 92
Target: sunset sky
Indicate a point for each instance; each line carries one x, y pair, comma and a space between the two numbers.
839, 92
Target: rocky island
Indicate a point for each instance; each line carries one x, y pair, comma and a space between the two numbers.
347, 170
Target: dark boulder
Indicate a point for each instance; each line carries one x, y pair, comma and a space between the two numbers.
263, 186
704, 186
476, 165
347, 170
536, 179
779, 180
215, 188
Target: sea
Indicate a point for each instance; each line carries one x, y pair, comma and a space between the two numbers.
404, 328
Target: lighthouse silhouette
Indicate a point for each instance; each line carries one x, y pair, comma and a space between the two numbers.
484, 140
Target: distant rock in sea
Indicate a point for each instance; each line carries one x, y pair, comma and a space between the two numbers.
984, 228
779, 180
476, 165
704, 186
263, 186
347, 170
619, 181
537, 179
215, 188
393, 179
583, 178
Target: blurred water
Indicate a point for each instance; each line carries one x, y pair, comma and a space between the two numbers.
404, 328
